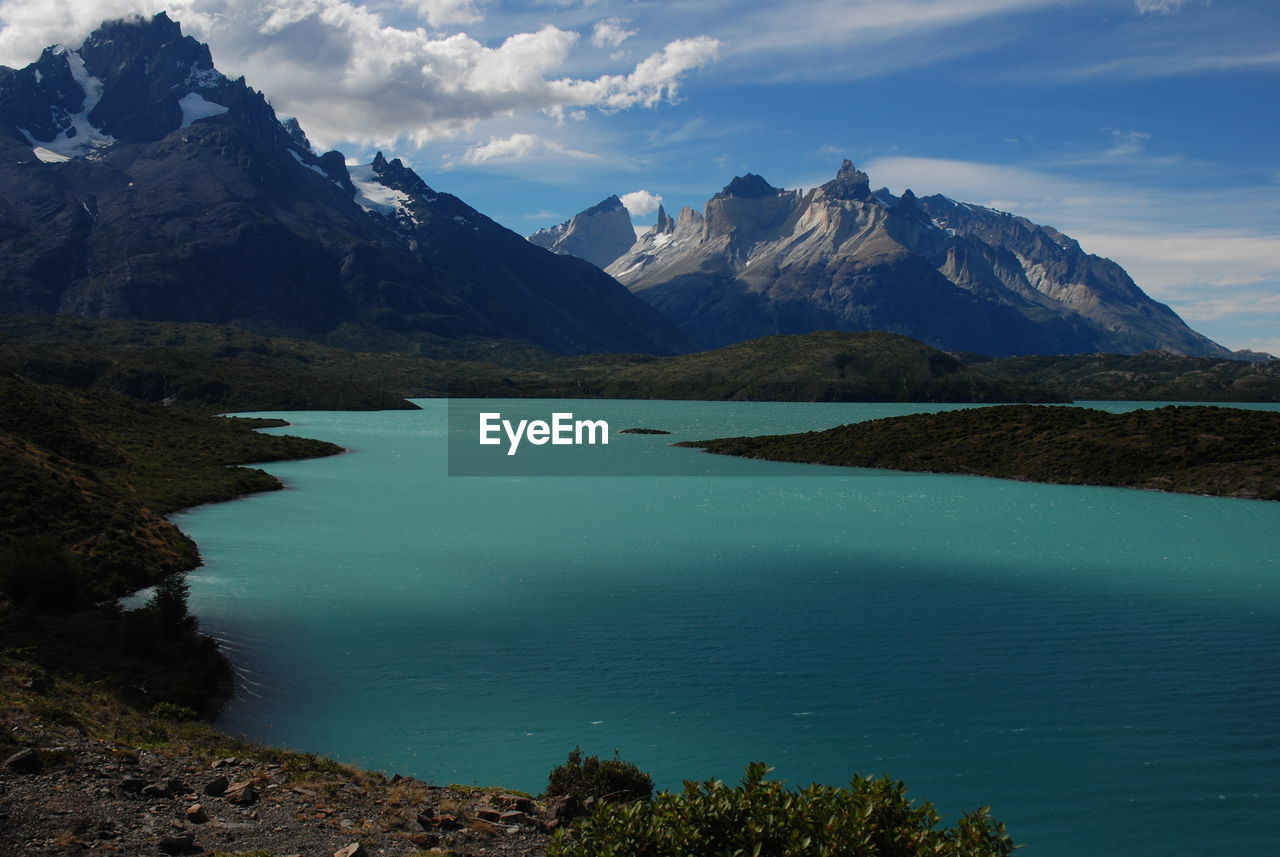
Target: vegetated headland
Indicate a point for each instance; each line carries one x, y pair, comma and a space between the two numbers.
1229, 452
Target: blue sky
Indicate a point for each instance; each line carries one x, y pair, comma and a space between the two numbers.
1146, 129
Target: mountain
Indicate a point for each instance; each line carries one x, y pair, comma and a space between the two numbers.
760, 260
137, 181
599, 234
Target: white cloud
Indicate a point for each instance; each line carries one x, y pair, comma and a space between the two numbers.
1163, 7
641, 202
610, 33
655, 78
845, 23
513, 148
519, 147
1188, 61
349, 76
29, 26
441, 13
1127, 144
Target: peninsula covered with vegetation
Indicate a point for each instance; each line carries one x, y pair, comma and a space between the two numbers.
1186, 449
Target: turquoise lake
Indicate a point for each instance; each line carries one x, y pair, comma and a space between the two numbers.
1100, 666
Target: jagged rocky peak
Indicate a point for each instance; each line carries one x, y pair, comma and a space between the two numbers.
153, 78
133, 80
665, 224
599, 234
605, 206
849, 183
394, 174
749, 208
136, 43
296, 134
750, 186
908, 206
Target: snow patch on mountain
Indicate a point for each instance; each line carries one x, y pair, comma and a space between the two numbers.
89, 85
48, 155
311, 167
77, 140
372, 195
80, 136
195, 106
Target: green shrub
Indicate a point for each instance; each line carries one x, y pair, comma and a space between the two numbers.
870, 818
608, 780
168, 602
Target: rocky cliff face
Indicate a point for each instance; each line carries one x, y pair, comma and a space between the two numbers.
136, 181
760, 260
599, 234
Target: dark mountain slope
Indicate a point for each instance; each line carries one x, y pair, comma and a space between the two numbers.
159, 189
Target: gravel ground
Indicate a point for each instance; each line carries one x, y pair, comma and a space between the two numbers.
64, 793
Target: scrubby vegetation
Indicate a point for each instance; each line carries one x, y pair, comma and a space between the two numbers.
94, 473
89, 477
236, 369
1150, 376
592, 779
870, 818
203, 383
825, 366
1194, 450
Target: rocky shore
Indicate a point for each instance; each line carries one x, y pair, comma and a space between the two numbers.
65, 790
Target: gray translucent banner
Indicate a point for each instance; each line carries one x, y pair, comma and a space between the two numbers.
549, 437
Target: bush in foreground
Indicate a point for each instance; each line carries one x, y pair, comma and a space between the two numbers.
610, 780
870, 818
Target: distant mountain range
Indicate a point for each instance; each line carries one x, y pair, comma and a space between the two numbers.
137, 181
759, 260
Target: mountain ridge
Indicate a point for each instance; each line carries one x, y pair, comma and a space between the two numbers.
760, 260
161, 189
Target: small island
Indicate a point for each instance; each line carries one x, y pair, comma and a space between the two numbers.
643, 431
1185, 449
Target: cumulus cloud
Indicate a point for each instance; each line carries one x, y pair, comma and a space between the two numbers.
655, 78
513, 148
349, 76
440, 13
610, 33
641, 202
29, 26
519, 147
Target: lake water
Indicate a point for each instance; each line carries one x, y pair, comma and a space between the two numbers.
1101, 666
